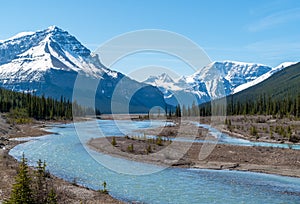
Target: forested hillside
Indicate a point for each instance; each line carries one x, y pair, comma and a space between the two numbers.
25, 105
278, 95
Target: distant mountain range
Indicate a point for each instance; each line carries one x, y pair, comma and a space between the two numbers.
281, 85
215, 80
48, 62
278, 95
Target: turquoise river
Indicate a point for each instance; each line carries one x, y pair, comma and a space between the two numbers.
67, 157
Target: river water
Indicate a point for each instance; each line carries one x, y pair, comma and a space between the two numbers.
67, 158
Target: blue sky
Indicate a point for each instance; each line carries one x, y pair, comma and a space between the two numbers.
266, 32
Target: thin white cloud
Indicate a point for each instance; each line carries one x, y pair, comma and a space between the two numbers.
274, 45
275, 51
275, 19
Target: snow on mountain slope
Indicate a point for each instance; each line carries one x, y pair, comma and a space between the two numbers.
48, 62
173, 90
163, 80
212, 81
263, 77
32, 54
221, 78
19, 35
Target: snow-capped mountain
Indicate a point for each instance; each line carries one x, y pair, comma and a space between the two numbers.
178, 90
212, 81
48, 62
27, 56
263, 77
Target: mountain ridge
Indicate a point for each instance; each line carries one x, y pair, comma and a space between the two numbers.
279, 96
218, 79
41, 62
48, 62
263, 77
282, 83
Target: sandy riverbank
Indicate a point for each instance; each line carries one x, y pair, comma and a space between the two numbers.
67, 192
257, 159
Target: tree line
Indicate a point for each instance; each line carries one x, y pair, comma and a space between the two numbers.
279, 95
260, 105
38, 107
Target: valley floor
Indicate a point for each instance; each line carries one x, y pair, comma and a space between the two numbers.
199, 155
194, 155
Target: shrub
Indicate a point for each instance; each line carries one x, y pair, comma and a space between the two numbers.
52, 197
18, 116
253, 131
159, 141
104, 190
271, 135
149, 149
113, 141
294, 139
130, 148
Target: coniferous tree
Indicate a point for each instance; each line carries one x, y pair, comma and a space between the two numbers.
21, 192
189, 111
178, 111
264, 105
39, 107
41, 188
184, 110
